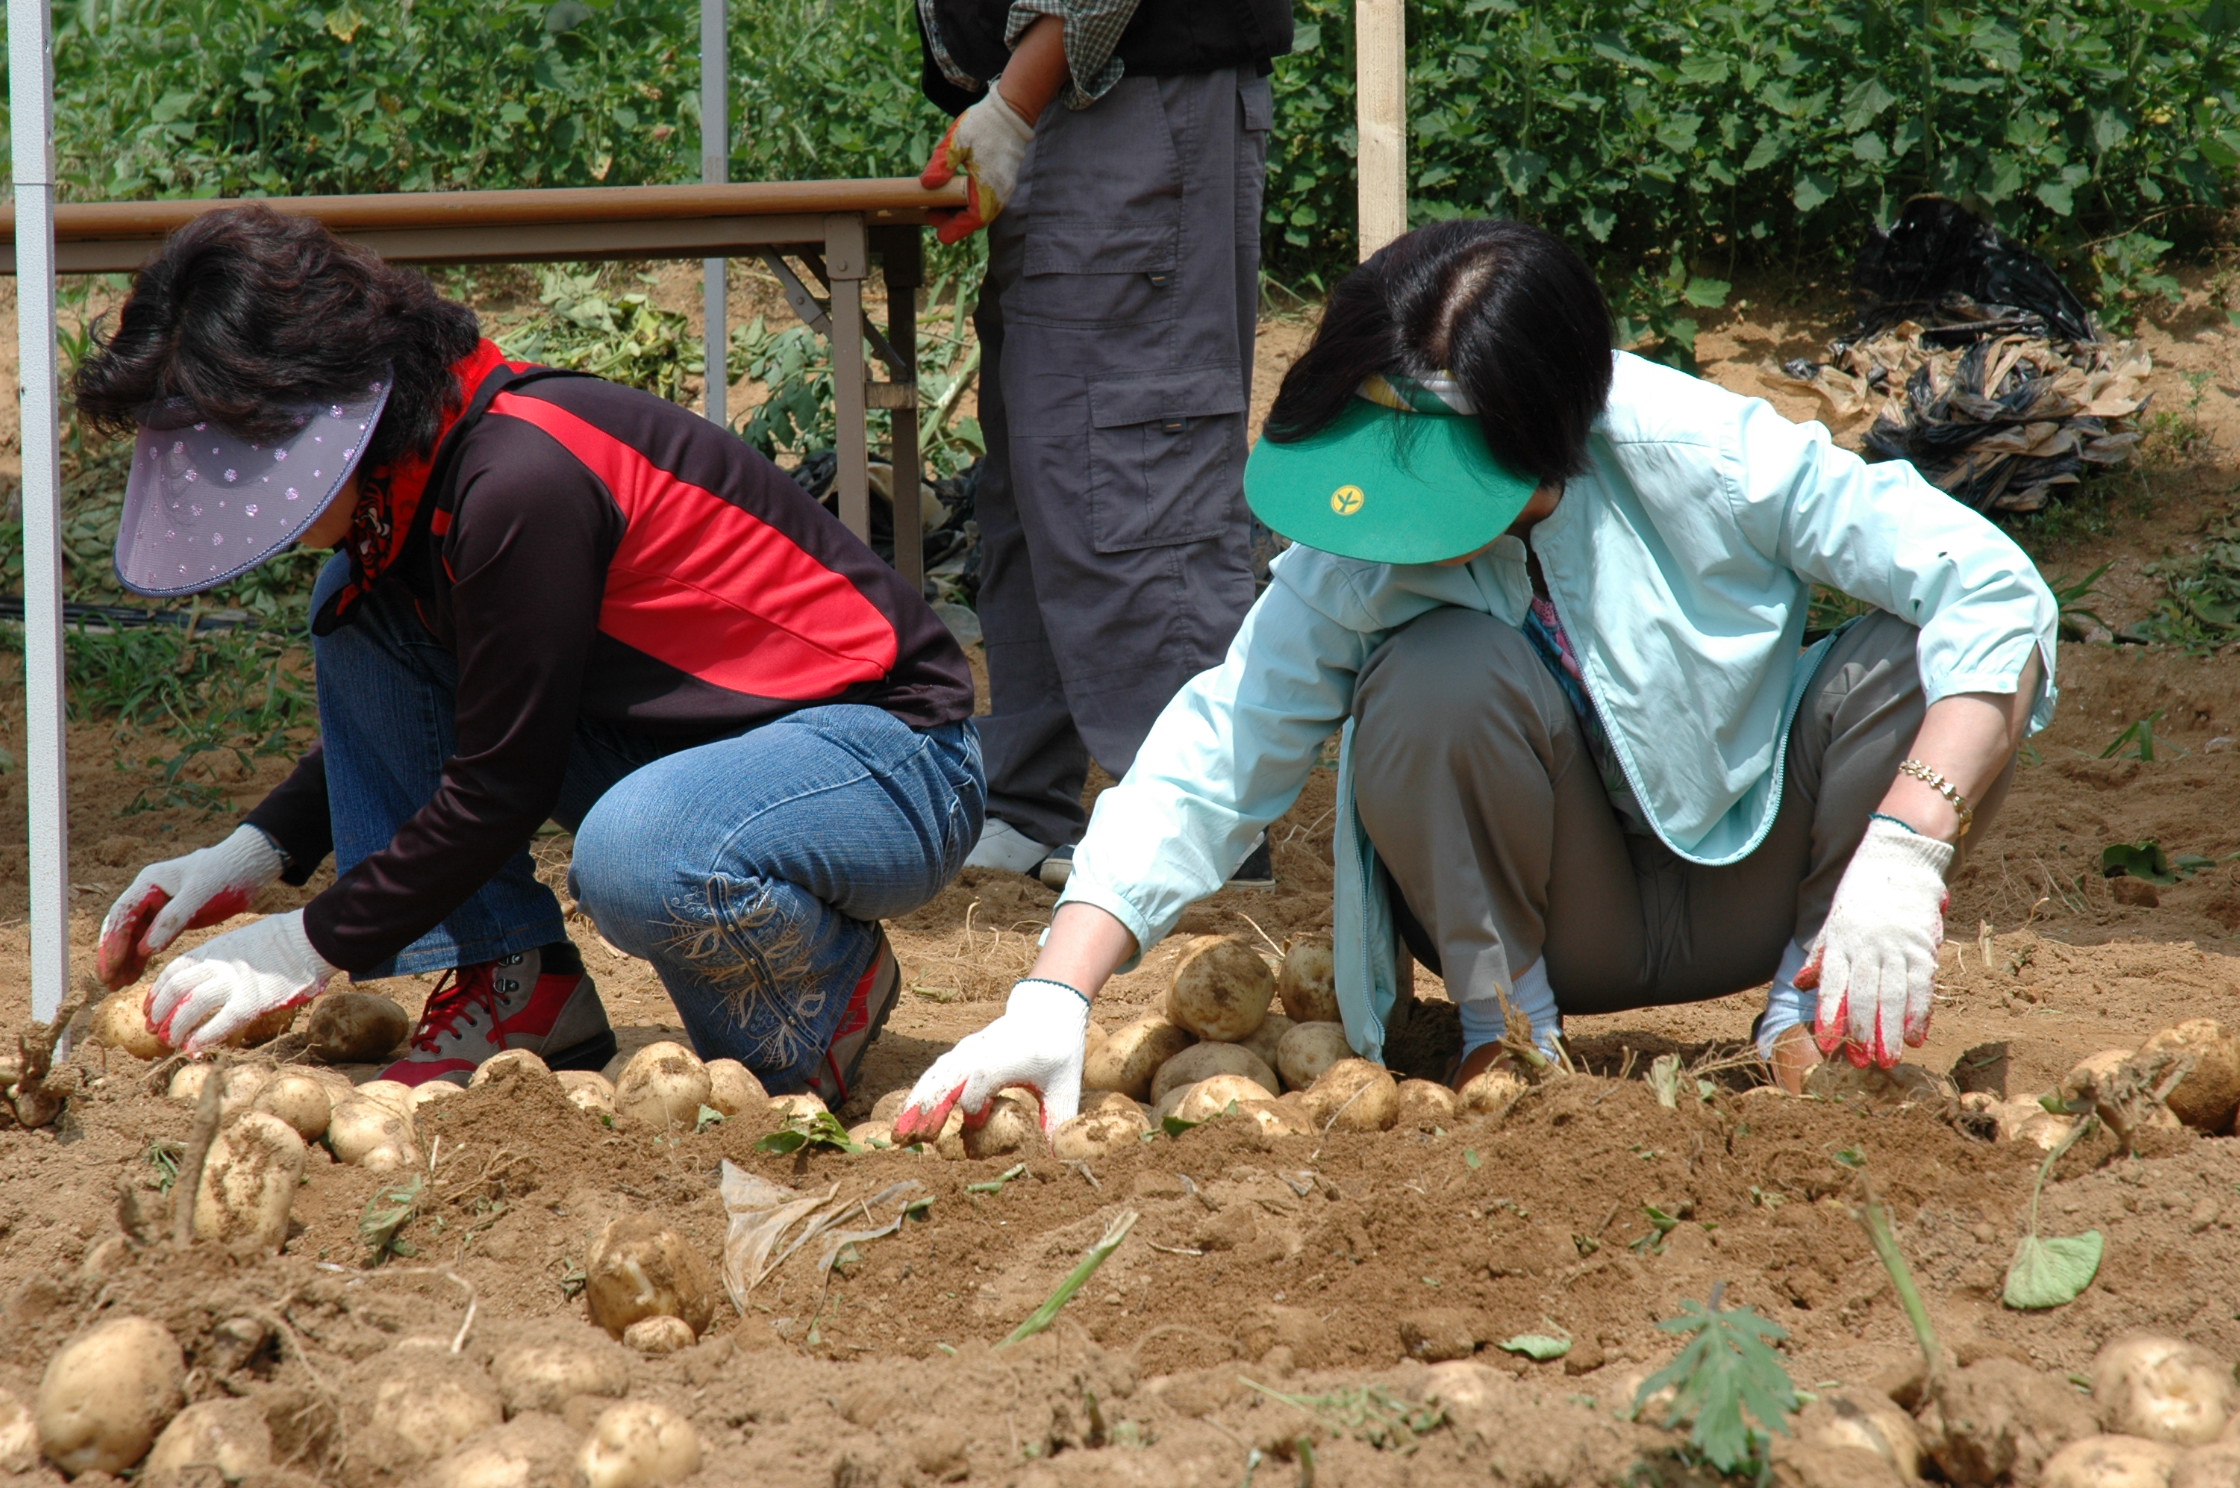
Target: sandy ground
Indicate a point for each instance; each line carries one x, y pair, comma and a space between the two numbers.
1304, 1265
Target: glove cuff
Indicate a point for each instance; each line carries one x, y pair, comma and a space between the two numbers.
251, 857
1042, 998
1021, 127
1890, 840
291, 929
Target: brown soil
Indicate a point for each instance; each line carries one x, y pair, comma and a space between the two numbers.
1299, 1265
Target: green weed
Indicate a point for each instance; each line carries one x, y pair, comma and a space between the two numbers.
2199, 608
1728, 1383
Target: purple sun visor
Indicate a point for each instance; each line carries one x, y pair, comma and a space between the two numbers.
203, 505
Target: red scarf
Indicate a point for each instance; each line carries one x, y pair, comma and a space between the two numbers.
389, 498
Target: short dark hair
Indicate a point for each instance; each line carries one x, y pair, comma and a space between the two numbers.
1504, 308
244, 312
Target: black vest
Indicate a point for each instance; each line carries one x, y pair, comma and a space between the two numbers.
1164, 38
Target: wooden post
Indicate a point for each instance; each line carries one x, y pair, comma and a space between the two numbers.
1380, 38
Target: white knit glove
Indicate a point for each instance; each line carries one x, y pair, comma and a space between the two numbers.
1036, 1043
209, 994
206, 886
987, 144
1875, 960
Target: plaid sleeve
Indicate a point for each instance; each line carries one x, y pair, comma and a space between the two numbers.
930, 26
1093, 30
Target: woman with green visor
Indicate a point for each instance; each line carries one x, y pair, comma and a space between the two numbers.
1553, 598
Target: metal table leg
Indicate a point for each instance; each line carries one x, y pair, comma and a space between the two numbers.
846, 262
902, 261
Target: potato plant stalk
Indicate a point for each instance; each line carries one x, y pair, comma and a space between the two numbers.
1099, 1253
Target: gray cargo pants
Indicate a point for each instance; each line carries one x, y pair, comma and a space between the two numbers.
1476, 783
1116, 330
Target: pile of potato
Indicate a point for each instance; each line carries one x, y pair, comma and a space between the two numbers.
1217, 1049
114, 1399
2206, 1099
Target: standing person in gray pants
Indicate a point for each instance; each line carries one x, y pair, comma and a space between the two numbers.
1116, 151
1552, 599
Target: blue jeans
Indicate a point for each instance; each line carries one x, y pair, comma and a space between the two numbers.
751, 870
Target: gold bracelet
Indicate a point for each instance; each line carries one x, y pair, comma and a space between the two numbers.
1942, 787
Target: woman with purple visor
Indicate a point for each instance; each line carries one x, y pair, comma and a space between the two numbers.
552, 598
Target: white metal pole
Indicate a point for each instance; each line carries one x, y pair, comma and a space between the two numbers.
1380, 38
715, 167
31, 115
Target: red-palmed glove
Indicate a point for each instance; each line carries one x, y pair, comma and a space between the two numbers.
204, 887
209, 994
1875, 960
987, 144
1036, 1043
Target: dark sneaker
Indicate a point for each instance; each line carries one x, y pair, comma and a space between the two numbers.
875, 995
538, 1000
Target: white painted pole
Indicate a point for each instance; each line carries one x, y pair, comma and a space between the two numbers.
1380, 39
715, 167
31, 117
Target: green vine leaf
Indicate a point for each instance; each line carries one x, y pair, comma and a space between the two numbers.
2051, 1272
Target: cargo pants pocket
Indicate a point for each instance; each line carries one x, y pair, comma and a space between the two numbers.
1165, 453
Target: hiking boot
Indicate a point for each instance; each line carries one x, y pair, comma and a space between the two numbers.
875, 995
539, 1000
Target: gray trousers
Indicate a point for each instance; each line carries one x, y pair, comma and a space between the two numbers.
1116, 330
1475, 781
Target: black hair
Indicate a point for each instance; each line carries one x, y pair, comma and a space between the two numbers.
1504, 308
245, 313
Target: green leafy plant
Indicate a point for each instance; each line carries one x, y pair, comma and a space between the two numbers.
385, 1216
2049, 1271
1538, 1347
2199, 607
1075, 1280
2147, 860
587, 324
2138, 738
820, 1130
1728, 1383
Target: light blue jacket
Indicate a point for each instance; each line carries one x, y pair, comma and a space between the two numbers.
1681, 563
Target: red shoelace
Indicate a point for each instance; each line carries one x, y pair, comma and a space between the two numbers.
461, 991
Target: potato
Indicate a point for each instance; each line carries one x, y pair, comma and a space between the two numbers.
1493, 1090
1355, 1095
107, 1393
501, 1066
733, 1088
1308, 1050
638, 1444
1877, 1088
2215, 1465
121, 1023
428, 1092
2162, 1388
242, 1084
1263, 1040
1098, 1134
1276, 1119
1308, 983
394, 1094
1864, 1420
187, 1082
805, 1105
588, 1090
299, 1099
370, 1133
664, 1084
543, 1375
1092, 1038
19, 1435
423, 1403
887, 1107
2045, 1131
249, 1181
1426, 1104
333, 1081
948, 1143
2209, 1094
229, 1436
1211, 1097
638, 1269
532, 1450
355, 1027
2009, 1117
1014, 1124
2110, 1462
1204, 1061
1129, 1059
265, 1027
872, 1134
2091, 1070
1110, 1100
1221, 988
658, 1335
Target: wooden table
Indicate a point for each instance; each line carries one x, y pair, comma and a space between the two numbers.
835, 229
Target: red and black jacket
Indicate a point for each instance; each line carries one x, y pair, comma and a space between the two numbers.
587, 550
